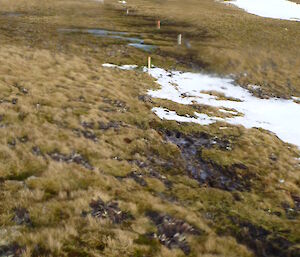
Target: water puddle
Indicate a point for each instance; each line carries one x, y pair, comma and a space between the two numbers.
144, 47
276, 9
133, 41
11, 14
279, 116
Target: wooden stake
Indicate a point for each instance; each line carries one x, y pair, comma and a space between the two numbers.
149, 64
179, 39
158, 24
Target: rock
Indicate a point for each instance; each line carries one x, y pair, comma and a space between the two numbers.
22, 217
145, 98
89, 134
88, 125
118, 104
74, 157
273, 157
21, 89
111, 124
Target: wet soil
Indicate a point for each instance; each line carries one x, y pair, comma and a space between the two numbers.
206, 172
117, 35
12, 250
263, 242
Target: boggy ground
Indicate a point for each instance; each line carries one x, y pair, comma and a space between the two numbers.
88, 170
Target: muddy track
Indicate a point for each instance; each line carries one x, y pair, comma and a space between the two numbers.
208, 173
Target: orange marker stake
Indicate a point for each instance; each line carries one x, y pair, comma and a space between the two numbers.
158, 24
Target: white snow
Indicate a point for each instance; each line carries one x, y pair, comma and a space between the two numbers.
201, 119
295, 98
276, 9
280, 116
122, 67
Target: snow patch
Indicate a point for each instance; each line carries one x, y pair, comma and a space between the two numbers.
201, 118
122, 67
279, 116
276, 9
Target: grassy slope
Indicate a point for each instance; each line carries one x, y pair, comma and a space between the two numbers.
227, 40
66, 86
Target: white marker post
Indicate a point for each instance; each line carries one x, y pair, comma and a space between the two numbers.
127, 11
149, 64
179, 39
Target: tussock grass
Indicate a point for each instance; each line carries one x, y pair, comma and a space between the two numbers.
66, 86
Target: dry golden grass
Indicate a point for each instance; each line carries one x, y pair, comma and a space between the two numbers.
67, 86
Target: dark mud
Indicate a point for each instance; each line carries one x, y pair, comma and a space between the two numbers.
12, 250
206, 172
109, 210
172, 232
263, 242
